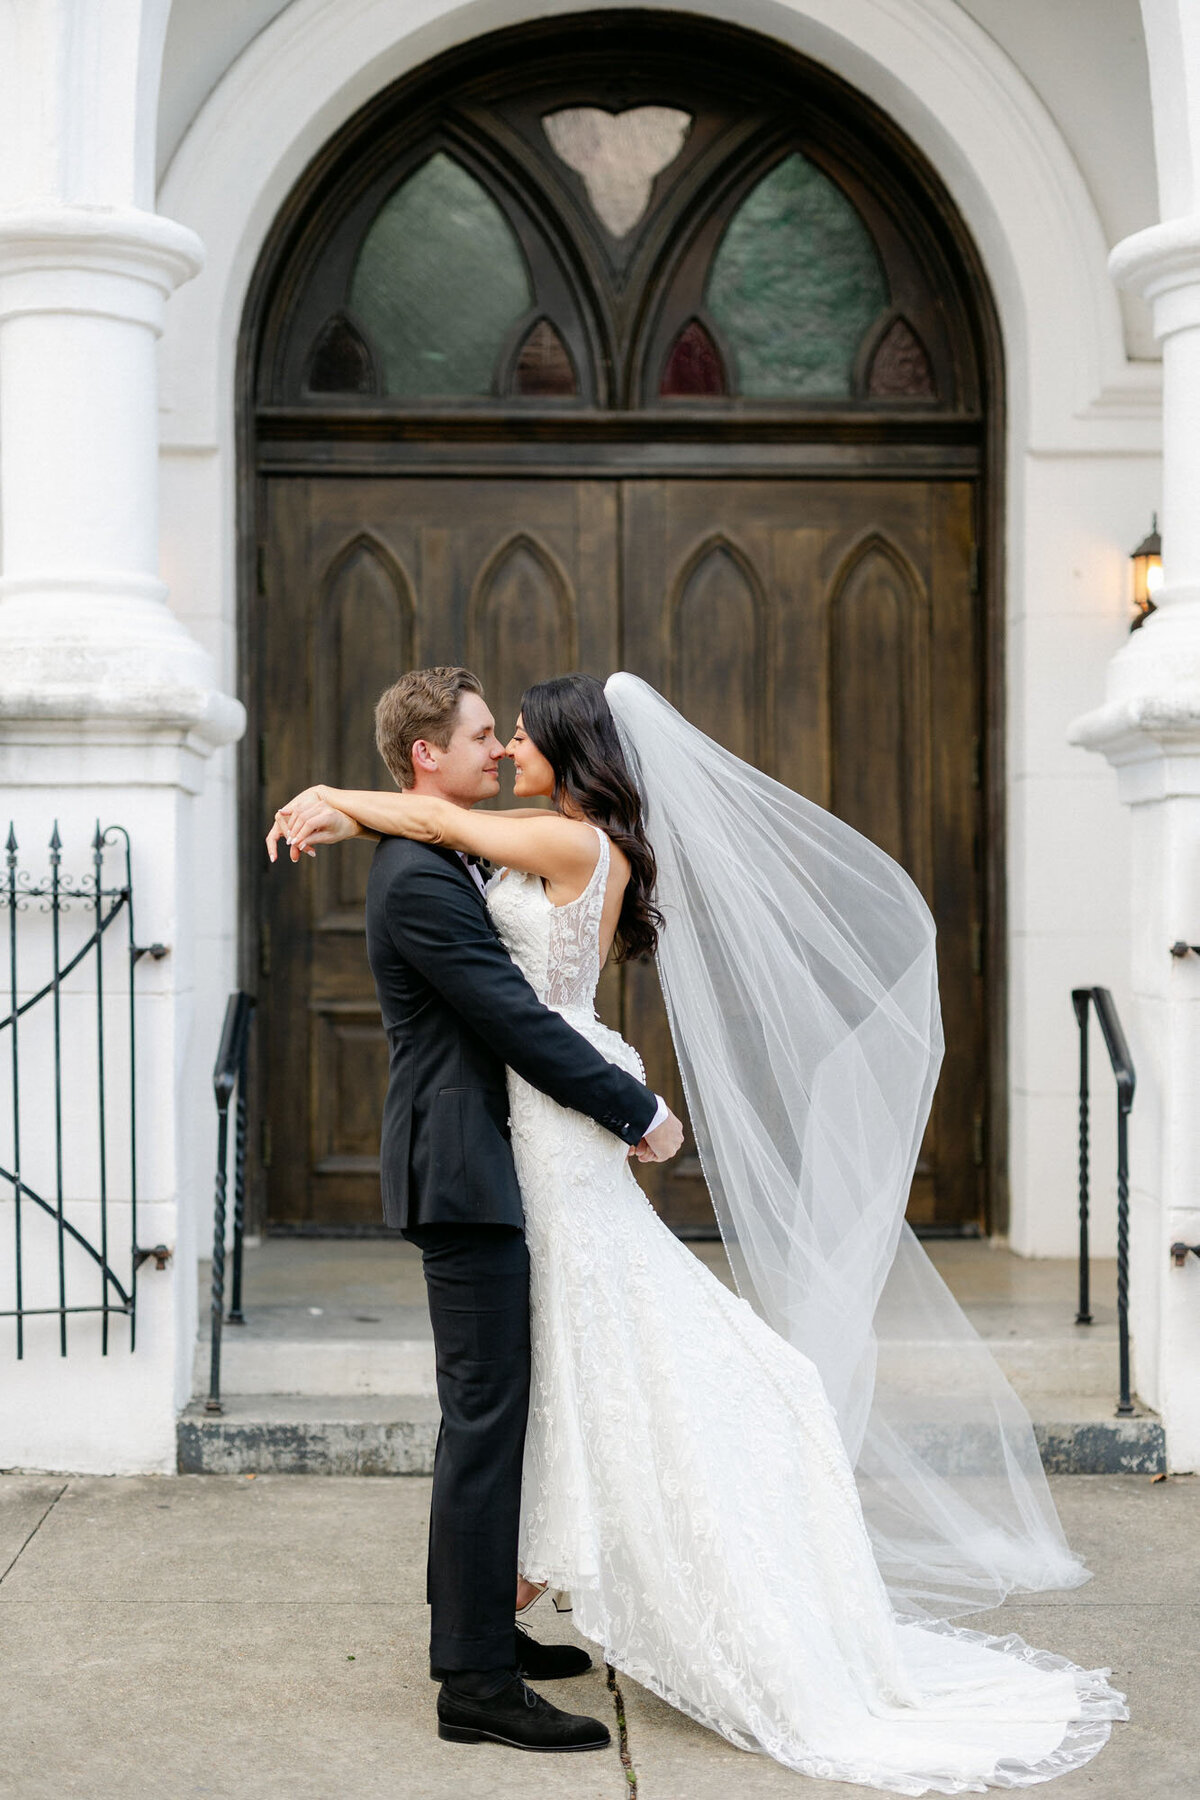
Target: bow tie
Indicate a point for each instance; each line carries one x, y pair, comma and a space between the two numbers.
477, 862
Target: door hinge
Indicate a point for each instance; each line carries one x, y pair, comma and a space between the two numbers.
979, 1140
972, 569
260, 569
265, 1146
264, 949
976, 947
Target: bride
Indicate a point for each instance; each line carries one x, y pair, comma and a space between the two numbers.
766, 1507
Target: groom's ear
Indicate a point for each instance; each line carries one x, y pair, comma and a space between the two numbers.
423, 757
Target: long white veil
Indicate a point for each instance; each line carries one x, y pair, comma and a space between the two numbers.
799, 970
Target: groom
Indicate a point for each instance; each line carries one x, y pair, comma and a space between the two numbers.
457, 1011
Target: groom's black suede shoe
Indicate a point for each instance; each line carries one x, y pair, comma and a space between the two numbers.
540, 1662
549, 1662
517, 1718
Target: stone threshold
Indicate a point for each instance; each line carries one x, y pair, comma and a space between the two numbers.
396, 1435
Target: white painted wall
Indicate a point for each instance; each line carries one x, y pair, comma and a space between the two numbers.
1093, 80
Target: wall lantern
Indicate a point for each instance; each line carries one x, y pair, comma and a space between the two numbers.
1147, 574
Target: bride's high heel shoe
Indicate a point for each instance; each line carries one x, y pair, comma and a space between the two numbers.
560, 1597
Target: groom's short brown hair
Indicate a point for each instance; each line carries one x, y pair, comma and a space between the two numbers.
422, 704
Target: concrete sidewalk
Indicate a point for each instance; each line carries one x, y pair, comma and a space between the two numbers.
234, 1637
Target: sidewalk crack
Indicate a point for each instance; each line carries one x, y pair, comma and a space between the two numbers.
29, 1539
631, 1786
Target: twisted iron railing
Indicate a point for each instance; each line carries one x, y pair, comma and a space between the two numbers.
229, 1078
1083, 1000
106, 904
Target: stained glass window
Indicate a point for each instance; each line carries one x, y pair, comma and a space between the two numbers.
794, 285
340, 361
618, 155
694, 365
900, 368
440, 281
544, 365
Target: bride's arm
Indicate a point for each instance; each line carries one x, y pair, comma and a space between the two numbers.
562, 851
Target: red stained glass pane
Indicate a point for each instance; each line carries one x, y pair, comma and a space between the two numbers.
340, 361
544, 365
694, 365
900, 368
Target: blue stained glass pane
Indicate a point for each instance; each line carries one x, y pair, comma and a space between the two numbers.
438, 284
795, 283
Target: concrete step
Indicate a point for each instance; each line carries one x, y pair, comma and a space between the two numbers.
279, 1434
325, 1350
359, 1434
330, 1350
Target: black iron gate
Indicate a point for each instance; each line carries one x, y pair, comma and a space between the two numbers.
90, 1106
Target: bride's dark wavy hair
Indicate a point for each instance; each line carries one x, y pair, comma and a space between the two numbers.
569, 720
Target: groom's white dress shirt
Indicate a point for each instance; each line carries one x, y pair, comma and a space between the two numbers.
473, 870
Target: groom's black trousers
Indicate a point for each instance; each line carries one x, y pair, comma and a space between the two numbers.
477, 1277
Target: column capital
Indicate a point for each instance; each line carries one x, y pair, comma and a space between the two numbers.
90, 646
110, 261
1151, 739
1162, 264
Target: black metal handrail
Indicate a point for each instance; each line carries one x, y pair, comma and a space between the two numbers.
102, 901
229, 1078
1083, 1000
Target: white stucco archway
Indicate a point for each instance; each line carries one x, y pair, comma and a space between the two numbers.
925, 62
1082, 438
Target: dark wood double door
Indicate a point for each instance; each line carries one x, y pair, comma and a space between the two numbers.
823, 628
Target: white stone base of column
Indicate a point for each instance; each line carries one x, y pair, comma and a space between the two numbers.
1149, 729
86, 1411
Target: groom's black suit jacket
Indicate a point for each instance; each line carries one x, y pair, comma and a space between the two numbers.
457, 1010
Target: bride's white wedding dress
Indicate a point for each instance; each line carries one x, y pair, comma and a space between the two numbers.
685, 1478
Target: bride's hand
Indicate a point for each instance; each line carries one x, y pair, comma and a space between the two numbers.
308, 819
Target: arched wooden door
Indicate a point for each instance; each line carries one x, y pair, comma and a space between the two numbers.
568, 357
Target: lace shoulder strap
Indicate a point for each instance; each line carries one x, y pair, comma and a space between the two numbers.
590, 904
574, 951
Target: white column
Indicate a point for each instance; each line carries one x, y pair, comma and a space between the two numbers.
85, 631
1149, 729
108, 707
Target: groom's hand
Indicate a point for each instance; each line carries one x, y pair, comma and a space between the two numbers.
660, 1144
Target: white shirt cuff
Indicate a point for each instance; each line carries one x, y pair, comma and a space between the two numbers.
660, 1115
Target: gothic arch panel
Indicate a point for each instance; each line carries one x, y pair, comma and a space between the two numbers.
523, 624
364, 639
878, 653
717, 619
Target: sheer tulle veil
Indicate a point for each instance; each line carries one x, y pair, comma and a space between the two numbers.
798, 963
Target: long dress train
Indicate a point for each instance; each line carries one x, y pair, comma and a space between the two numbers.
686, 1480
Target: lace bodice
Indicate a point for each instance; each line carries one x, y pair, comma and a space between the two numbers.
556, 947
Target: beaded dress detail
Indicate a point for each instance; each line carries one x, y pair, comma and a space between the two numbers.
685, 1479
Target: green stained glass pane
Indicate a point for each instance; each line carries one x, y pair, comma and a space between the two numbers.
439, 281
794, 285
